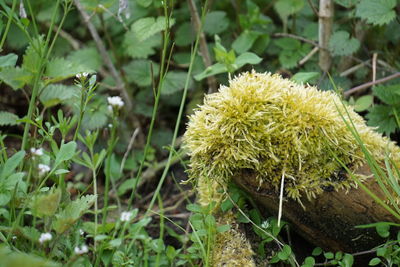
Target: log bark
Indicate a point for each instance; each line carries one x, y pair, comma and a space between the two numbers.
327, 221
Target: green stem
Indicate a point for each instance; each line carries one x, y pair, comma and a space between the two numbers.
3, 39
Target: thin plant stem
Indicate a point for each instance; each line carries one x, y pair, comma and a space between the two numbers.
3, 39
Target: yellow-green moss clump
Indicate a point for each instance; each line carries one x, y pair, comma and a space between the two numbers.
272, 125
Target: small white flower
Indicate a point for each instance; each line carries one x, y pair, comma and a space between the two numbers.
265, 225
82, 75
81, 232
126, 216
45, 237
43, 168
37, 152
81, 250
115, 101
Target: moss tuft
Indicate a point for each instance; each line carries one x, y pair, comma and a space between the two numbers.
272, 125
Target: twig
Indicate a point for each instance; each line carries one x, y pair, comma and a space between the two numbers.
354, 68
293, 36
128, 149
374, 57
211, 81
369, 84
308, 56
104, 54
325, 28
314, 9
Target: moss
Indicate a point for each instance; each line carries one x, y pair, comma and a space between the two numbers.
231, 248
272, 125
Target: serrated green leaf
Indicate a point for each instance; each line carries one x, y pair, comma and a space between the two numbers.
140, 49
32, 56
376, 12
382, 116
55, 94
8, 118
72, 212
174, 81
147, 27
363, 103
215, 22
388, 94
140, 71
285, 8
8, 60
303, 77
95, 117
346, 3
341, 44
245, 41
87, 58
15, 77
46, 204
59, 69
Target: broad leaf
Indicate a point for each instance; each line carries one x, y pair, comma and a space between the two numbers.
8, 118
147, 27
388, 94
174, 81
8, 60
376, 12
303, 77
341, 44
382, 116
215, 22
66, 152
140, 72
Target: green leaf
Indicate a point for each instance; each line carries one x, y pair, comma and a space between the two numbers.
174, 81
382, 116
317, 251
184, 34
46, 204
147, 27
13, 258
247, 58
88, 59
59, 69
55, 94
303, 77
285, 8
8, 60
140, 71
329, 255
376, 12
285, 253
346, 3
16, 77
341, 44
388, 94
215, 22
11, 164
71, 213
95, 116
8, 118
363, 103
245, 41
383, 229
66, 152
310, 261
140, 49
32, 56
144, 3
374, 261
223, 228
210, 71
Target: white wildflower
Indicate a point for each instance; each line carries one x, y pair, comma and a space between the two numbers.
81, 232
82, 75
45, 237
126, 216
81, 250
115, 101
22, 11
43, 169
37, 152
265, 225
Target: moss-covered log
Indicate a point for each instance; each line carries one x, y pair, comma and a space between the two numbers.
328, 220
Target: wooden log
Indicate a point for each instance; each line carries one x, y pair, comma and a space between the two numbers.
329, 220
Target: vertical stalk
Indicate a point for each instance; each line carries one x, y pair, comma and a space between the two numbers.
325, 29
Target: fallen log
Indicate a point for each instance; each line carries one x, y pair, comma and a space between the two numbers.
329, 219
